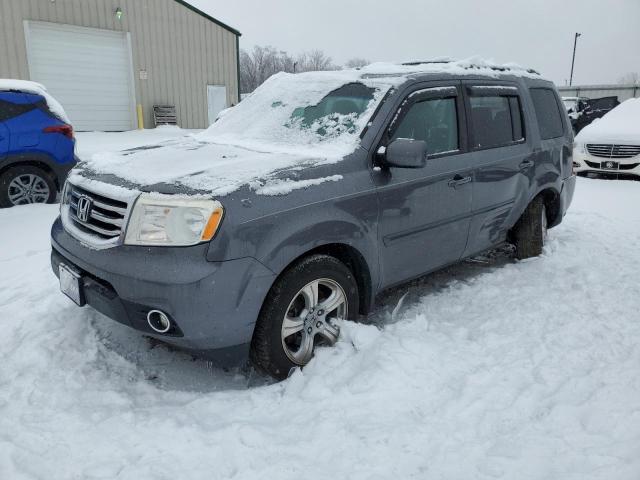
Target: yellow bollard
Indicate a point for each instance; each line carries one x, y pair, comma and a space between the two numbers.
140, 117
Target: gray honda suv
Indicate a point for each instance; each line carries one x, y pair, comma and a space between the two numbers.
258, 237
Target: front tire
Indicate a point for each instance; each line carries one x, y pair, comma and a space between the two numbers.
25, 184
303, 310
530, 232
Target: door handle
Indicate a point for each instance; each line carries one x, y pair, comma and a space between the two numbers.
526, 164
458, 180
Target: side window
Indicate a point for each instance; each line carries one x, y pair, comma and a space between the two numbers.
435, 121
9, 110
496, 120
547, 113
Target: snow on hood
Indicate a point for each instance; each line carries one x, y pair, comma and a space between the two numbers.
26, 86
622, 124
205, 166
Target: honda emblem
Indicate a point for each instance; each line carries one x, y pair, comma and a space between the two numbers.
84, 208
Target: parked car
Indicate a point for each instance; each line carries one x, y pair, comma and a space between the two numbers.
574, 105
610, 146
582, 110
36, 144
309, 198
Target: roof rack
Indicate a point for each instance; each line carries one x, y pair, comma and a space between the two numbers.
498, 68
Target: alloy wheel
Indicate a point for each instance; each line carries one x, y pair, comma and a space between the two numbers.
28, 188
312, 319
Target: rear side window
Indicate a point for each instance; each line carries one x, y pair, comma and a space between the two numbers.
496, 120
547, 113
435, 121
9, 110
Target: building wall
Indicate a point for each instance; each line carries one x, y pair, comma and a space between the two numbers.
623, 92
181, 51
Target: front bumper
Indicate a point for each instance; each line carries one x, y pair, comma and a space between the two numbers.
214, 304
584, 164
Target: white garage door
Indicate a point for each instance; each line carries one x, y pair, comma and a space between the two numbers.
87, 70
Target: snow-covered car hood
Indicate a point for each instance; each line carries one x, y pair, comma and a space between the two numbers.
620, 125
193, 165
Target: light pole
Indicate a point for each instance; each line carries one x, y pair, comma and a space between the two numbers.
573, 59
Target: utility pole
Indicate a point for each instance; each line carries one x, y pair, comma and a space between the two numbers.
573, 60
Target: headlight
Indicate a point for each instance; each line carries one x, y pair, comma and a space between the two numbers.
163, 220
578, 147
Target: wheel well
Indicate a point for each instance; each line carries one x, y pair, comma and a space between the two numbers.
33, 163
354, 260
551, 200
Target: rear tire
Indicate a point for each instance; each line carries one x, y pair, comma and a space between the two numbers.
530, 233
26, 184
302, 310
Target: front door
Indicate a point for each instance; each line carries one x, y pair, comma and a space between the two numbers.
217, 101
425, 212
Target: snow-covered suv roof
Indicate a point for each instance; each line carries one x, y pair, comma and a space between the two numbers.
470, 66
26, 86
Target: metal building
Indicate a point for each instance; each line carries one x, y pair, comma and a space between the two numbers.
104, 59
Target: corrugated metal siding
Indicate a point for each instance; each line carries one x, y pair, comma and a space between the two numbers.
182, 51
623, 92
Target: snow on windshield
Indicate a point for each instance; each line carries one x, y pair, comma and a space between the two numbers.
322, 112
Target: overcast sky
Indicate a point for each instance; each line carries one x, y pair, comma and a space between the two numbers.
534, 33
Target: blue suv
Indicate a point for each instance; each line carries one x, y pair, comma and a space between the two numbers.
36, 149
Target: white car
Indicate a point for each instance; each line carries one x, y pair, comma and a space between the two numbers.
610, 145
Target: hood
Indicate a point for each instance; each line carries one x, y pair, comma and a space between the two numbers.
193, 166
620, 125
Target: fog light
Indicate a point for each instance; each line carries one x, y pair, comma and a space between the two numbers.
158, 321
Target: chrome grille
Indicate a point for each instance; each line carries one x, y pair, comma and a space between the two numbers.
613, 151
96, 214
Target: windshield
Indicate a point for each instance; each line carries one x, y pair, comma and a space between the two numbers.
320, 111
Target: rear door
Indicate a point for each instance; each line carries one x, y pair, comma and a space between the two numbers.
424, 212
4, 138
503, 164
8, 111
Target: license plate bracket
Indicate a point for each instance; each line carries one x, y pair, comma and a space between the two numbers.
71, 284
610, 165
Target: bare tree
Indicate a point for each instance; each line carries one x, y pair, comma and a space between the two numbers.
357, 63
262, 62
314, 61
631, 78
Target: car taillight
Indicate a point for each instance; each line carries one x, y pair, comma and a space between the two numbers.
66, 130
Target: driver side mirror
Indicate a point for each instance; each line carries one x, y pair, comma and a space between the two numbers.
406, 153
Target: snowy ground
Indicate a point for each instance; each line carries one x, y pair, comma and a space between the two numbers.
490, 369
